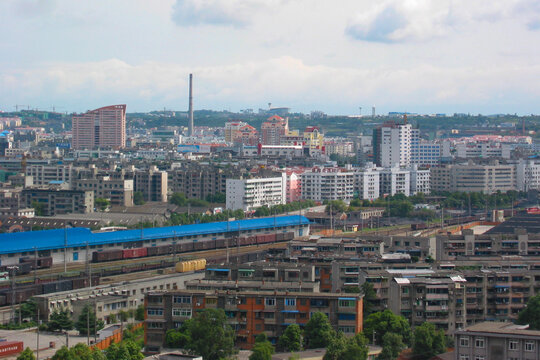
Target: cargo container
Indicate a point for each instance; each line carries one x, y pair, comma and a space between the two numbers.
108, 255
191, 265
134, 253
10, 348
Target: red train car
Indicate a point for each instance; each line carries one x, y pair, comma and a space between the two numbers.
134, 253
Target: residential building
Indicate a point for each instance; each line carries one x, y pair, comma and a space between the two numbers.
54, 201
322, 184
313, 138
342, 148
392, 145
103, 127
249, 194
473, 177
45, 174
118, 191
240, 132
197, 182
395, 180
483, 150
273, 129
497, 341
527, 175
367, 183
420, 180
249, 312
152, 183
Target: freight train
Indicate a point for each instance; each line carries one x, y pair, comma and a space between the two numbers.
183, 247
447, 222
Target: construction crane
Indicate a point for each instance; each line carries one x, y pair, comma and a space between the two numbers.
17, 107
56, 107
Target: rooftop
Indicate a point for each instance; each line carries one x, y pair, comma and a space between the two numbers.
502, 328
70, 237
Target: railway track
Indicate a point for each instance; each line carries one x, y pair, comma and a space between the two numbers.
96, 268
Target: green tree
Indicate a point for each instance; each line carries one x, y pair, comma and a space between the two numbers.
87, 320
60, 319
218, 198
392, 346
370, 296
26, 354
177, 339
178, 199
336, 207
386, 321
125, 350
139, 313
112, 318
39, 208
428, 341
123, 315
318, 332
210, 335
138, 198
341, 348
263, 349
28, 309
78, 352
531, 314
291, 340
102, 203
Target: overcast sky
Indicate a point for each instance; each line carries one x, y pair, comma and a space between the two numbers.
425, 56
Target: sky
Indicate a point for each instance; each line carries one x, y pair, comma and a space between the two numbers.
420, 56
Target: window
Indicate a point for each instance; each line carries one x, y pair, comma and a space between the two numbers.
155, 325
290, 302
270, 301
268, 315
529, 345
211, 301
182, 299
513, 344
464, 341
347, 316
182, 312
479, 342
463, 357
154, 312
347, 303
479, 357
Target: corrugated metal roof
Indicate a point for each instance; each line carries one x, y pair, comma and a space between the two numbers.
54, 239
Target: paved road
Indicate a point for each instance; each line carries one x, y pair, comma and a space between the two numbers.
29, 338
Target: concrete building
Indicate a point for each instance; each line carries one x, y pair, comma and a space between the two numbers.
497, 341
527, 175
322, 184
423, 152
473, 177
313, 138
249, 194
117, 191
42, 175
392, 145
197, 182
54, 201
103, 127
420, 180
107, 300
240, 132
367, 183
249, 313
273, 129
484, 150
152, 183
395, 180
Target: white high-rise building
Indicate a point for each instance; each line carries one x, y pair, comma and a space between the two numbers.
392, 145
367, 183
249, 194
395, 180
323, 185
527, 175
420, 180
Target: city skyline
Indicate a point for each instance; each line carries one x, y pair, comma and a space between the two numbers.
416, 56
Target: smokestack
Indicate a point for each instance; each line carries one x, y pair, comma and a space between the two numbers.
190, 125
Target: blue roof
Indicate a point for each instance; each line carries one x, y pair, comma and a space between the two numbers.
54, 239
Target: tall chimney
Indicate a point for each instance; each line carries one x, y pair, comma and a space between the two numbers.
190, 125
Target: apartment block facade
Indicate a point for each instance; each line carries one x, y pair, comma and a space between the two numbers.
249, 194
249, 313
103, 127
321, 184
58, 201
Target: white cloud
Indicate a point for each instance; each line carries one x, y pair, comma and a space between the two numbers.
235, 13
285, 81
419, 20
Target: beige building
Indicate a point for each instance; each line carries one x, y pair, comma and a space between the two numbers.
118, 191
103, 127
152, 183
474, 178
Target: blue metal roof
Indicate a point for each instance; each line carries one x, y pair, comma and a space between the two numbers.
54, 239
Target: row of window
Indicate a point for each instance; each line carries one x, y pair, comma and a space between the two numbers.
513, 344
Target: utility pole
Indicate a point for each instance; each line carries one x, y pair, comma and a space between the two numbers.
13, 270
87, 325
37, 350
65, 249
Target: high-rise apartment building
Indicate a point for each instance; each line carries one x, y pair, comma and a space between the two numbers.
103, 127
273, 129
249, 194
392, 145
328, 184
